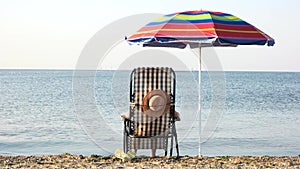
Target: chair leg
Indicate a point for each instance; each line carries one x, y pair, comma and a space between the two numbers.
166, 139
176, 141
177, 147
125, 142
171, 149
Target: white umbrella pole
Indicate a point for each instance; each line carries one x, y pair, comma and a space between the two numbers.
199, 95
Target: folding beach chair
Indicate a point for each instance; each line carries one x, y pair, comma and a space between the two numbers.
151, 121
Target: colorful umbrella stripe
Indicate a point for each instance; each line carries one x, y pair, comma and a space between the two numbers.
198, 26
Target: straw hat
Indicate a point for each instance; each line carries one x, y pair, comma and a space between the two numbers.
156, 103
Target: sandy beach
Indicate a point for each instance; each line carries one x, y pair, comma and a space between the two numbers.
95, 161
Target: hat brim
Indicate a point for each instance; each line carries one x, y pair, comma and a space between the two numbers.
145, 104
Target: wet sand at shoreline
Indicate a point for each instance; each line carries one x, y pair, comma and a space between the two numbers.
95, 161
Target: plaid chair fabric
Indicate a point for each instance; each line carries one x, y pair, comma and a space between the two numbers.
150, 132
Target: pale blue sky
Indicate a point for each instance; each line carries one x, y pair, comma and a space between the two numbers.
50, 34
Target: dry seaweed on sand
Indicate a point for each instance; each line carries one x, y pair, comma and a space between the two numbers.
97, 161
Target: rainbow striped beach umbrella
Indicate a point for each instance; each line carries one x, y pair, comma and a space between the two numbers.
199, 29
207, 28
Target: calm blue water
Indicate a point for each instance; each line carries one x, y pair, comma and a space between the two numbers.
243, 113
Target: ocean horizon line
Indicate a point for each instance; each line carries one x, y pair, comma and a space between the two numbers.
181, 70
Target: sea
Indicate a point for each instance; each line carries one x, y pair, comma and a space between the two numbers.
46, 112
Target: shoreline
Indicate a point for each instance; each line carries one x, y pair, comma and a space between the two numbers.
95, 161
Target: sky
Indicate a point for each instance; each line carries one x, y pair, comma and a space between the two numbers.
51, 34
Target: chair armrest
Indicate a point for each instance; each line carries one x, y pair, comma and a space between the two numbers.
177, 119
177, 116
125, 115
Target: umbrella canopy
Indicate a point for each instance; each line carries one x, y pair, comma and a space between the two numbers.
193, 27
199, 29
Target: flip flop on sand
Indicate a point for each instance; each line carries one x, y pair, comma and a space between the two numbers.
120, 154
125, 157
131, 154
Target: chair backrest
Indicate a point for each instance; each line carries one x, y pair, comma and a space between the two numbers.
144, 80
